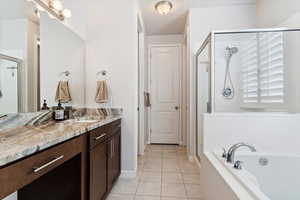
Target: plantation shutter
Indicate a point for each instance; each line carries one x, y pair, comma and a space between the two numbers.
249, 57
271, 67
263, 69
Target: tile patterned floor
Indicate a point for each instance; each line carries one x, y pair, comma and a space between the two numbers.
164, 173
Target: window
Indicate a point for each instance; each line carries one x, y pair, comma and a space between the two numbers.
263, 71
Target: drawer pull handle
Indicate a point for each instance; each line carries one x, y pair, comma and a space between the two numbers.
35, 170
101, 136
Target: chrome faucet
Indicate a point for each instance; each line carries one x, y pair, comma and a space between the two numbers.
232, 150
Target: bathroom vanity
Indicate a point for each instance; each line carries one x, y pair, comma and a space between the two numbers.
61, 161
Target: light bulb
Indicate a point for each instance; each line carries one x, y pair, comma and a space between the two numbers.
67, 13
56, 4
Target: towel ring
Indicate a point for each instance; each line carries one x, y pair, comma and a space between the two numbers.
102, 72
66, 73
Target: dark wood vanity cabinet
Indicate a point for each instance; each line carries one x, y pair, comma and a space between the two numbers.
114, 159
56, 173
98, 172
105, 159
82, 168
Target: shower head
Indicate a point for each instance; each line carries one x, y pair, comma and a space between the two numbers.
232, 50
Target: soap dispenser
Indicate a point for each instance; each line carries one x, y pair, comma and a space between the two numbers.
59, 113
45, 106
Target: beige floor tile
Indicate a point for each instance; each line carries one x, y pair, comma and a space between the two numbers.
168, 154
183, 159
173, 190
154, 153
191, 178
170, 162
181, 154
188, 167
147, 198
164, 173
193, 191
151, 177
155, 147
172, 178
169, 147
149, 188
170, 167
125, 186
153, 161
152, 167
170, 159
120, 197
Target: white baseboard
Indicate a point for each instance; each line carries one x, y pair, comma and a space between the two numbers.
128, 174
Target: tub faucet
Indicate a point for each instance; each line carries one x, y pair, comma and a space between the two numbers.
232, 150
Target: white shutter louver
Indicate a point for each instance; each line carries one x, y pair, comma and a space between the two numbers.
263, 69
250, 71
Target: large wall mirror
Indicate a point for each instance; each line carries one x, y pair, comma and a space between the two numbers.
35, 50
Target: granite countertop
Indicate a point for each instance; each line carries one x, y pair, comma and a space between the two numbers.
23, 141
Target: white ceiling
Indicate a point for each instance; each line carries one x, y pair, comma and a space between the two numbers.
17, 9
156, 24
174, 23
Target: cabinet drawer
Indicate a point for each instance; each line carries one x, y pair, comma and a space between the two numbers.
97, 136
113, 128
23, 172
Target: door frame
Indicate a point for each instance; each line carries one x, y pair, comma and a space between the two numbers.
150, 46
22, 102
141, 86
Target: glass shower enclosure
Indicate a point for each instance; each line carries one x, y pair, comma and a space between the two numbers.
10, 84
248, 71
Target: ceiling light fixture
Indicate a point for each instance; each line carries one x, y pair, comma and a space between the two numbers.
164, 7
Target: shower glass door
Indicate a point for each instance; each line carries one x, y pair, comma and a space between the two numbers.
9, 84
203, 91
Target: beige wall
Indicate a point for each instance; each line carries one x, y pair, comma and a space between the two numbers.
112, 45
272, 13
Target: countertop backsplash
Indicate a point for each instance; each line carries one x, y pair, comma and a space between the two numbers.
11, 121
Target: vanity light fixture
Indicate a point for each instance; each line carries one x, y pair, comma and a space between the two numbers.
54, 8
164, 7
67, 13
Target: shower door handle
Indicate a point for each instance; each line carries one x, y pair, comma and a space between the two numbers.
176, 107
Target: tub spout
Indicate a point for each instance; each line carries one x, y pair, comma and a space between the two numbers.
232, 150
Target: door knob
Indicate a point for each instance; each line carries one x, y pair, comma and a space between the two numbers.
176, 107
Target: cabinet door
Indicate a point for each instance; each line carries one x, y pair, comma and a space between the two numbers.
110, 163
98, 172
116, 156
114, 159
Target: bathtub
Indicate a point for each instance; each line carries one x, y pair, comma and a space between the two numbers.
263, 177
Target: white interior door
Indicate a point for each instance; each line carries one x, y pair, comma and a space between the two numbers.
165, 62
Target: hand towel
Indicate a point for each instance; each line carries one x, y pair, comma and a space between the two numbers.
63, 92
101, 92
